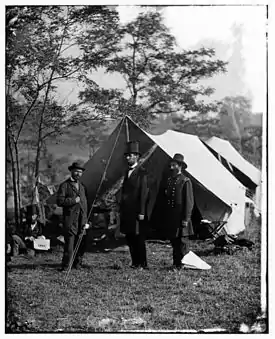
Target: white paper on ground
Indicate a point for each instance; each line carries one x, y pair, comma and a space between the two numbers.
61, 238
191, 260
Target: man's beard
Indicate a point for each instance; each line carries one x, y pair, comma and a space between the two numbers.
174, 171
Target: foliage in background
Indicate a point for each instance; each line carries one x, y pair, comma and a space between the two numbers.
234, 122
159, 77
39, 39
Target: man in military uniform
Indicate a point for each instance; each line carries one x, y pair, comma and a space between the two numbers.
133, 214
178, 206
72, 197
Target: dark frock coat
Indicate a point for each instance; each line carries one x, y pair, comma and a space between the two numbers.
134, 198
176, 202
74, 214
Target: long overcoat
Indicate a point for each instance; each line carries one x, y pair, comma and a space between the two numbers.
74, 214
175, 204
133, 201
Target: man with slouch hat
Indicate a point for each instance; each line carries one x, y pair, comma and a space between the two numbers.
177, 208
72, 196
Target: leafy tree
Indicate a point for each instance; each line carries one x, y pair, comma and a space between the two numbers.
39, 47
159, 77
203, 126
89, 136
233, 123
235, 116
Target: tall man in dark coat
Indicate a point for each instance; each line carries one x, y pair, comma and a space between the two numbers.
177, 208
133, 214
72, 197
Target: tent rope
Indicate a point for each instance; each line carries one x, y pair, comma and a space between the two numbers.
105, 170
127, 129
96, 195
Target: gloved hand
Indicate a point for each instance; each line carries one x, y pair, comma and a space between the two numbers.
86, 226
141, 217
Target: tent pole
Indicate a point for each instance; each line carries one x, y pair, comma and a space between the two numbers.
127, 129
96, 195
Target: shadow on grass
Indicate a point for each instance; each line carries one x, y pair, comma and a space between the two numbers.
106, 244
57, 265
204, 253
33, 265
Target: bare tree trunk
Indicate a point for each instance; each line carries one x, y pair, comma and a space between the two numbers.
18, 177
14, 182
40, 137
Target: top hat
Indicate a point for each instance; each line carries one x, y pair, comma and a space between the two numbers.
76, 165
32, 209
179, 158
132, 147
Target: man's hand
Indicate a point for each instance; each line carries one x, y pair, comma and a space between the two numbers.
141, 217
31, 238
77, 200
8, 248
184, 224
86, 226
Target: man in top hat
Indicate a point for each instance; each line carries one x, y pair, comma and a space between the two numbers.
72, 196
177, 208
133, 202
33, 229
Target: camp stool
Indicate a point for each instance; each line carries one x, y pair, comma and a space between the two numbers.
216, 228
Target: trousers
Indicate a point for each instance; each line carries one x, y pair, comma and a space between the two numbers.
180, 247
69, 246
137, 247
17, 244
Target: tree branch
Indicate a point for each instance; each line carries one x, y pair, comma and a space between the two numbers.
25, 116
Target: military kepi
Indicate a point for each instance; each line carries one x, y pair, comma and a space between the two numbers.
179, 158
132, 147
76, 165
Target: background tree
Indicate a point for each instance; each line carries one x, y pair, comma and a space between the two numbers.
90, 135
159, 77
233, 122
39, 52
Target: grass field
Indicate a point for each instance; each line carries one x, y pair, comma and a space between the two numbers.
107, 295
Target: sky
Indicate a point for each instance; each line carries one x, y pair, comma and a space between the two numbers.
211, 26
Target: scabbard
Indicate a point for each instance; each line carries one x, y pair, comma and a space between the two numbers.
137, 227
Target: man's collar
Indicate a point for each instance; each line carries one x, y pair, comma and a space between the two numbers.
176, 175
133, 166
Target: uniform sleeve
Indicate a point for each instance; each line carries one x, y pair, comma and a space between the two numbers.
188, 197
143, 193
62, 199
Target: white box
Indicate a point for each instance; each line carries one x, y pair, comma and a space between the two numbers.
41, 244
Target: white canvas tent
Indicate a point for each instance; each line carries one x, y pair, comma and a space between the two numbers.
218, 195
245, 172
